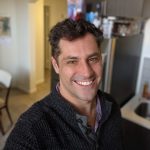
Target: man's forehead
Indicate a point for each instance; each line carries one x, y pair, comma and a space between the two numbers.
86, 36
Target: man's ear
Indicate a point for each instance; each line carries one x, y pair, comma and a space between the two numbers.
55, 64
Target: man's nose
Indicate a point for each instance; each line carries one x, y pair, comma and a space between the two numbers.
85, 69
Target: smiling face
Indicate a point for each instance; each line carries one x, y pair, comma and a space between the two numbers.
79, 66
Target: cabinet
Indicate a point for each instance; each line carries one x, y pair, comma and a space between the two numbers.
135, 137
125, 8
146, 9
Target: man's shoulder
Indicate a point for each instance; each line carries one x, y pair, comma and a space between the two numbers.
34, 113
108, 100
27, 128
106, 96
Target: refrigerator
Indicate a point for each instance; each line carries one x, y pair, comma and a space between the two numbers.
121, 66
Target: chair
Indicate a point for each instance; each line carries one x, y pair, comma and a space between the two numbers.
5, 86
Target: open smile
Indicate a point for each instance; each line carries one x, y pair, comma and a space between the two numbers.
84, 83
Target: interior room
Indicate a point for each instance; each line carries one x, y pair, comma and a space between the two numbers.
25, 54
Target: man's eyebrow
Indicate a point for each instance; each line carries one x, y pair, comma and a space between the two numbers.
95, 54
70, 57
75, 57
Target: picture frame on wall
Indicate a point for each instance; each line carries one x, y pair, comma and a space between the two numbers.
5, 30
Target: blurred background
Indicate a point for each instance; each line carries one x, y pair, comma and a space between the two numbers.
25, 54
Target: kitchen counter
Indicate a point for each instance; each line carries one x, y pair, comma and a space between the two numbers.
128, 112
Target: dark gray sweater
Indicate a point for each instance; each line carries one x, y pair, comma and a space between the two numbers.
51, 124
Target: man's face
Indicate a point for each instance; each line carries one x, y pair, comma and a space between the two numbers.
79, 66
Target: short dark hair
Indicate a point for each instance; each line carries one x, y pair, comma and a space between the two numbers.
70, 29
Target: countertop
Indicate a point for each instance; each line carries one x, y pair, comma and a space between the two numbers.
128, 112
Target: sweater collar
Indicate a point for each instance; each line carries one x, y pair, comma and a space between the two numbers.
62, 106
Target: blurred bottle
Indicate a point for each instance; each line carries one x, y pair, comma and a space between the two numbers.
145, 90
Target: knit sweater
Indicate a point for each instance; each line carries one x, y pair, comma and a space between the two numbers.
51, 124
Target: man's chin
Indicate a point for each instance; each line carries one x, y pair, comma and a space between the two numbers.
87, 96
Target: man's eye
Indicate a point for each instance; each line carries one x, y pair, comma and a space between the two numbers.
94, 59
72, 62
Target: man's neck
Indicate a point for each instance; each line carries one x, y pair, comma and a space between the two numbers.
85, 108
89, 110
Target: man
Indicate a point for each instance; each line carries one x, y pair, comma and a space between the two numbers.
76, 115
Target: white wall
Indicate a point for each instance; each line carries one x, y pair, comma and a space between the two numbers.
24, 48
146, 41
8, 46
40, 41
145, 54
22, 54
36, 17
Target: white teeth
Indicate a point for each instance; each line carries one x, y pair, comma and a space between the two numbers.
85, 83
